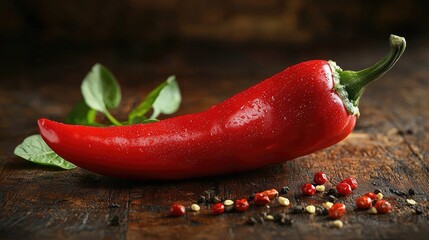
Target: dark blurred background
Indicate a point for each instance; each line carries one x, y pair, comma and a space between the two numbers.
52, 41
32, 29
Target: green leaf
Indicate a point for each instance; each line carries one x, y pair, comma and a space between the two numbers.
165, 98
146, 104
34, 149
81, 114
100, 89
169, 99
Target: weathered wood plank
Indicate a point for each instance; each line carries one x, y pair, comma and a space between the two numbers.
388, 150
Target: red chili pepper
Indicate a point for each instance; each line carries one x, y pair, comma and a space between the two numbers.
241, 205
302, 109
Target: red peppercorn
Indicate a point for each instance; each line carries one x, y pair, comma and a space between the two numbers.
320, 178
344, 189
217, 208
177, 210
382, 206
363, 202
371, 195
272, 193
261, 199
308, 189
337, 210
352, 182
241, 205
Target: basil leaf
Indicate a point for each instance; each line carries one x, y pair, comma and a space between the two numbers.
100, 89
169, 99
165, 98
34, 149
145, 105
81, 114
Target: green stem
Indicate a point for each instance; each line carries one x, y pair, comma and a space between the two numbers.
353, 83
112, 119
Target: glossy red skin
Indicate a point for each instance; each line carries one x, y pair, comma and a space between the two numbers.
383, 206
217, 208
261, 199
271, 193
241, 205
177, 210
288, 115
363, 202
337, 210
320, 178
343, 189
308, 189
352, 182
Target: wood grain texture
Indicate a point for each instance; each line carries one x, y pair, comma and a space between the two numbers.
388, 150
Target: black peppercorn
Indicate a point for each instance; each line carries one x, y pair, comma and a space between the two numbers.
332, 192
285, 190
331, 198
377, 191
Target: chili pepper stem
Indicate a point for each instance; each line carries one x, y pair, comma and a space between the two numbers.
352, 84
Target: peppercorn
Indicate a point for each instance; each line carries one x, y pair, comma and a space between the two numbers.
195, 207
308, 189
364, 202
177, 210
271, 193
284, 201
344, 189
261, 199
320, 178
217, 209
320, 188
201, 199
337, 224
411, 191
332, 192
382, 206
331, 198
285, 190
411, 201
371, 195
241, 205
321, 210
327, 205
310, 209
377, 191
297, 209
337, 210
352, 182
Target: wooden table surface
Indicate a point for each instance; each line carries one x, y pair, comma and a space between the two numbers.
388, 149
